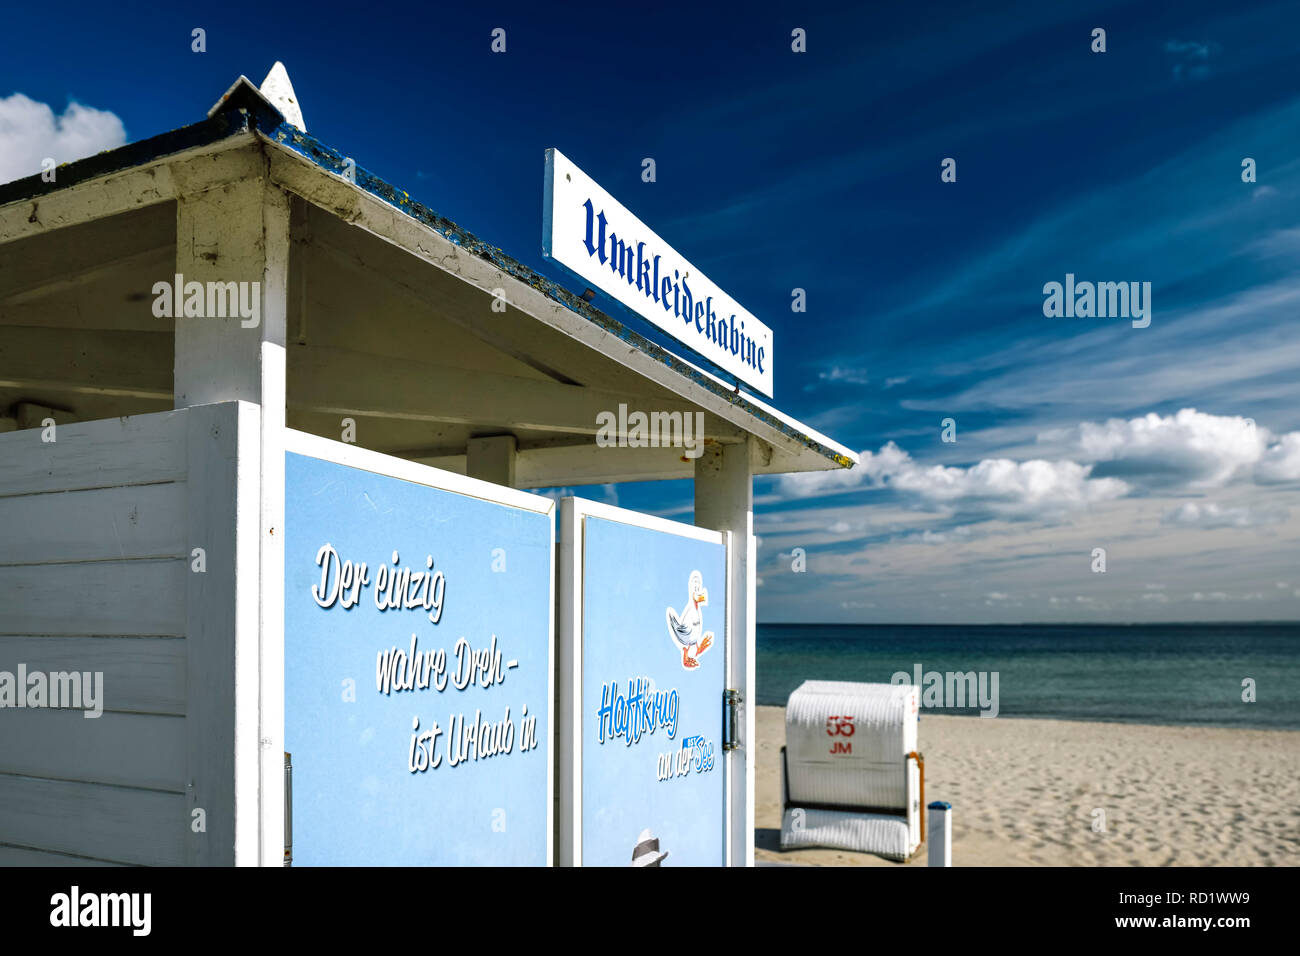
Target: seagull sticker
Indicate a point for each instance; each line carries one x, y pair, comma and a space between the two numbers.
686, 628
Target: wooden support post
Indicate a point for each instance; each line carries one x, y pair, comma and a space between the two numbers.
221, 633
232, 229
940, 833
724, 501
492, 459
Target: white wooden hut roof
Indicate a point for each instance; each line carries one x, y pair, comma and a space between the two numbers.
389, 315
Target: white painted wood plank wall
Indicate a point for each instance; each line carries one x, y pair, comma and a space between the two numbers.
96, 534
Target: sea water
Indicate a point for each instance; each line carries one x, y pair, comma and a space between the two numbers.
1154, 674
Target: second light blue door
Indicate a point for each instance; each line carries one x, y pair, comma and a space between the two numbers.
653, 673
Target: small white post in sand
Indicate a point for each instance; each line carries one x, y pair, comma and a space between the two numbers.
940, 827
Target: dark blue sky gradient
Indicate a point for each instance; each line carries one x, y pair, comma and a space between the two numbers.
821, 171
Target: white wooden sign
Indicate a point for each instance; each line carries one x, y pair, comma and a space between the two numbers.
588, 231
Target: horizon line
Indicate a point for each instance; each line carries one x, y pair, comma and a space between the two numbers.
1022, 623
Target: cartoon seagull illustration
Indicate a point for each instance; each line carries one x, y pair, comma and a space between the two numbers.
685, 630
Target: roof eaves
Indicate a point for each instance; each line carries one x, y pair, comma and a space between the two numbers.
273, 128
244, 113
209, 131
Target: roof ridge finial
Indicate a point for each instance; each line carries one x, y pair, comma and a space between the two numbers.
279, 93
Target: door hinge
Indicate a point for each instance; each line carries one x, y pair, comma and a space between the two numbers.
731, 704
288, 809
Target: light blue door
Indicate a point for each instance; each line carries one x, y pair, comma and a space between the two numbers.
653, 672
385, 774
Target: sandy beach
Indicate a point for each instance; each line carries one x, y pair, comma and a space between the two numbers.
1024, 791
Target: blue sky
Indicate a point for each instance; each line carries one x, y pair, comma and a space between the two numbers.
821, 171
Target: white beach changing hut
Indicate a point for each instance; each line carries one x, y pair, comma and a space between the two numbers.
174, 482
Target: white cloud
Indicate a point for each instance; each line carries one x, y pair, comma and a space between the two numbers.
1210, 515
1084, 467
1189, 48
608, 494
30, 132
1191, 58
854, 376
999, 486
871, 470
1078, 599
1280, 461
1009, 487
1224, 596
1190, 447
839, 375
1278, 242
937, 537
